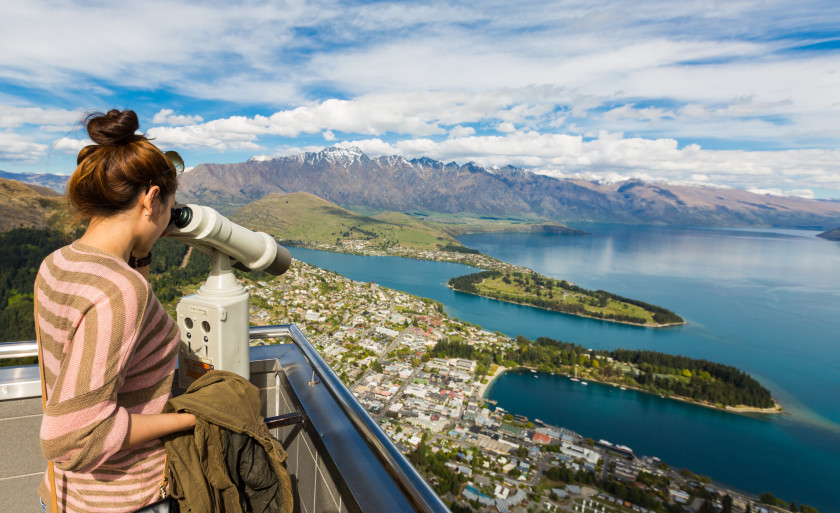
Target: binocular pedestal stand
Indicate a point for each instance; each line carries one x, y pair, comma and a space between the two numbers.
214, 325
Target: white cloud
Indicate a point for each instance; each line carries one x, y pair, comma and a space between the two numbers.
53, 119
629, 111
371, 147
506, 127
168, 117
799, 193
71, 145
328, 135
461, 131
199, 136
19, 148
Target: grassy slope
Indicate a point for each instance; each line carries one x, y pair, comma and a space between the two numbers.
497, 288
561, 296
465, 222
303, 216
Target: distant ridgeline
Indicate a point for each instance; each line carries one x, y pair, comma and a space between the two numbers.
659, 373
562, 296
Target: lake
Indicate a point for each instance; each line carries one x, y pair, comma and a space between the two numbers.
766, 301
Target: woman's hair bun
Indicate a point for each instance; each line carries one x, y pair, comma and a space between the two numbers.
114, 127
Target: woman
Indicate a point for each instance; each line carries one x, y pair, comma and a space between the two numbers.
108, 345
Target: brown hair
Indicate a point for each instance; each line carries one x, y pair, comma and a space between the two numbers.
111, 173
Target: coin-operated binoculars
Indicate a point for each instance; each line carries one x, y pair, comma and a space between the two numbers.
214, 321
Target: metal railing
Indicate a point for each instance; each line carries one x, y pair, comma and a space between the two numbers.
393, 461
18, 349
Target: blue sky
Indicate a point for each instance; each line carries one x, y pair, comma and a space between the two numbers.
733, 93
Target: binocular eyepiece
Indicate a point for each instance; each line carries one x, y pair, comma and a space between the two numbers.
180, 216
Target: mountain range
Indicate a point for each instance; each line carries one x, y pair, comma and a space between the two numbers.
351, 179
49, 180
348, 177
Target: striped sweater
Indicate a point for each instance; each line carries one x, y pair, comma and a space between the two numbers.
109, 351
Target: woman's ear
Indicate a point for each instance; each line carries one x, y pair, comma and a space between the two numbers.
149, 199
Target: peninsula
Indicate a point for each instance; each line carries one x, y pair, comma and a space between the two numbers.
692, 380
530, 288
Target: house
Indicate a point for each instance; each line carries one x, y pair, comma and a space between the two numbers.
540, 438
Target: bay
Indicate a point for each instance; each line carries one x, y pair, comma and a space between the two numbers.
766, 301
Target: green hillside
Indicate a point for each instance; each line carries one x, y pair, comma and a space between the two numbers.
305, 217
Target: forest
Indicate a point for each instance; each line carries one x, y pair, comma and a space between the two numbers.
660, 373
21, 253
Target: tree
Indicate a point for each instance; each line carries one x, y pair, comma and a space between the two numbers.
727, 504
767, 498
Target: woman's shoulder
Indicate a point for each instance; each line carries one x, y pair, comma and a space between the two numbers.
81, 267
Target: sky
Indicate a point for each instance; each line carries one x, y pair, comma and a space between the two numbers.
730, 93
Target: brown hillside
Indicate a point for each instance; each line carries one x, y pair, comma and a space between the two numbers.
26, 206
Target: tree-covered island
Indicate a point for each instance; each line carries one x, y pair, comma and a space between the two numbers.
677, 377
530, 288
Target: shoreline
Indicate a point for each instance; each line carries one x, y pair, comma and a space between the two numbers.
657, 326
483, 387
738, 410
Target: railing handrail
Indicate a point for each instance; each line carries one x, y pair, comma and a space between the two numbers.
395, 463
22, 349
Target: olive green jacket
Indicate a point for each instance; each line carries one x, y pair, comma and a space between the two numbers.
230, 463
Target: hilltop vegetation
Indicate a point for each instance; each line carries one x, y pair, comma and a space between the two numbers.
561, 296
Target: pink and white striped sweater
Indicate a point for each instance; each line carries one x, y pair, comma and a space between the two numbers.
109, 351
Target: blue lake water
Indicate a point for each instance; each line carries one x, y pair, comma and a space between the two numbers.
766, 301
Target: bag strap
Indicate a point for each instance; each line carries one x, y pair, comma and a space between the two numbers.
50, 464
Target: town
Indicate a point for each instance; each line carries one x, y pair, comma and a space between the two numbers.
377, 248
477, 456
